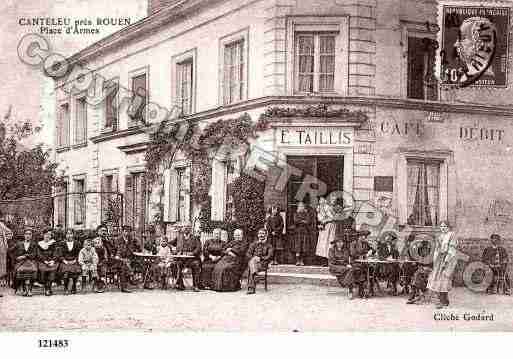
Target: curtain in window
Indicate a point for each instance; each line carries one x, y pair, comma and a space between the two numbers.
81, 123
79, 202
184, 81
63, 138
423, 189
327, 63
306, 50
233, 84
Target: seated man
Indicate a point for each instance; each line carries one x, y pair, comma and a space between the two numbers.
387, 249
496, 257
259, 254
124, 255
189, 245
360, 249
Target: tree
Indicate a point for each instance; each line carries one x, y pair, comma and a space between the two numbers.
248, 200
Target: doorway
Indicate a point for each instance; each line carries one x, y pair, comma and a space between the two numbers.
325, 169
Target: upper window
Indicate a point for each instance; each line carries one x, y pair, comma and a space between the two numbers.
422, 83
234, 72
423, 186
63, 128
139, 88
315, 62
184, 91
81, 121
111, 105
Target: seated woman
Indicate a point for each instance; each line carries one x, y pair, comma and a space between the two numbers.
47, 258
228, 270
339, 263
212, 253
25, 255
69, 267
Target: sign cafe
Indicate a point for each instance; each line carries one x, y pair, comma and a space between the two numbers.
316, 136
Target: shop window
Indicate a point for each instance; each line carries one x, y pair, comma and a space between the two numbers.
315, 62
81, 121
423, 188
79, 204
63, 126
422, 83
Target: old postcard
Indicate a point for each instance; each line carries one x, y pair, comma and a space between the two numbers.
255, 166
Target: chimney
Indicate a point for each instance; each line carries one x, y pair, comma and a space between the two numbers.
157, 5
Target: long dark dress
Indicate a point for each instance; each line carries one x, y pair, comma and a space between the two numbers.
275, 231
302, 221
228, 271
211, 247
69, 270
44, 255
25, 268
338, 259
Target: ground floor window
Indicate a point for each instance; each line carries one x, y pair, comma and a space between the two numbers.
79, 203
135, 201
423, 179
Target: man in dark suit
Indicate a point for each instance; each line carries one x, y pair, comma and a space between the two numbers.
387, 249
187, 244
259, 255
496, 257
125, 248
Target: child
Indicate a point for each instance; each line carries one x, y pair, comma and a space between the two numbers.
88, 260
162, 268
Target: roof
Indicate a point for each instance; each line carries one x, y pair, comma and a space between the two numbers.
173, 13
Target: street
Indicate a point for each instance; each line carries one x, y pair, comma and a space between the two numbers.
284, 308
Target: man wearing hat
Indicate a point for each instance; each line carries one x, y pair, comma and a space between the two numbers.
496, 257
190, 245
387, 249
124, 255
360, 249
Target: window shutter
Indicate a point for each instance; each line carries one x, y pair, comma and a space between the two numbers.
129, 198
188, 195
173, 195
141, 203
218, 189
416, 55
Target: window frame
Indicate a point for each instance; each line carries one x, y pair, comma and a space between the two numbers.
447, 183
60, 128
115, 125
145, 70
241, 35
82, 97
176, 61
75, 192
319, 25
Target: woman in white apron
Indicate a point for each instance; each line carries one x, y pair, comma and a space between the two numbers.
444, 263
326, 217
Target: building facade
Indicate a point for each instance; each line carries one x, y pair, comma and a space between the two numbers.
421, 154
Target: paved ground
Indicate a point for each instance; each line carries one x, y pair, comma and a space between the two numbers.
284, 308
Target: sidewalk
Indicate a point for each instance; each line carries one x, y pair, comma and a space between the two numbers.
286, 308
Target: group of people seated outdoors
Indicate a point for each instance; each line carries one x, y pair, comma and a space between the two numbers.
217, 265
409, 266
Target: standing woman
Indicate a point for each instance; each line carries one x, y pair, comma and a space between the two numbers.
302, 240
48, 260
327, 231
444, 263
69, 267
25, 254
274, 227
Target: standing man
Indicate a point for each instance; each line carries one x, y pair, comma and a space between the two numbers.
125, 249
496, 257
259, 254
188, 244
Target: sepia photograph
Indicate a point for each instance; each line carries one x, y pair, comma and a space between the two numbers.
255, 166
